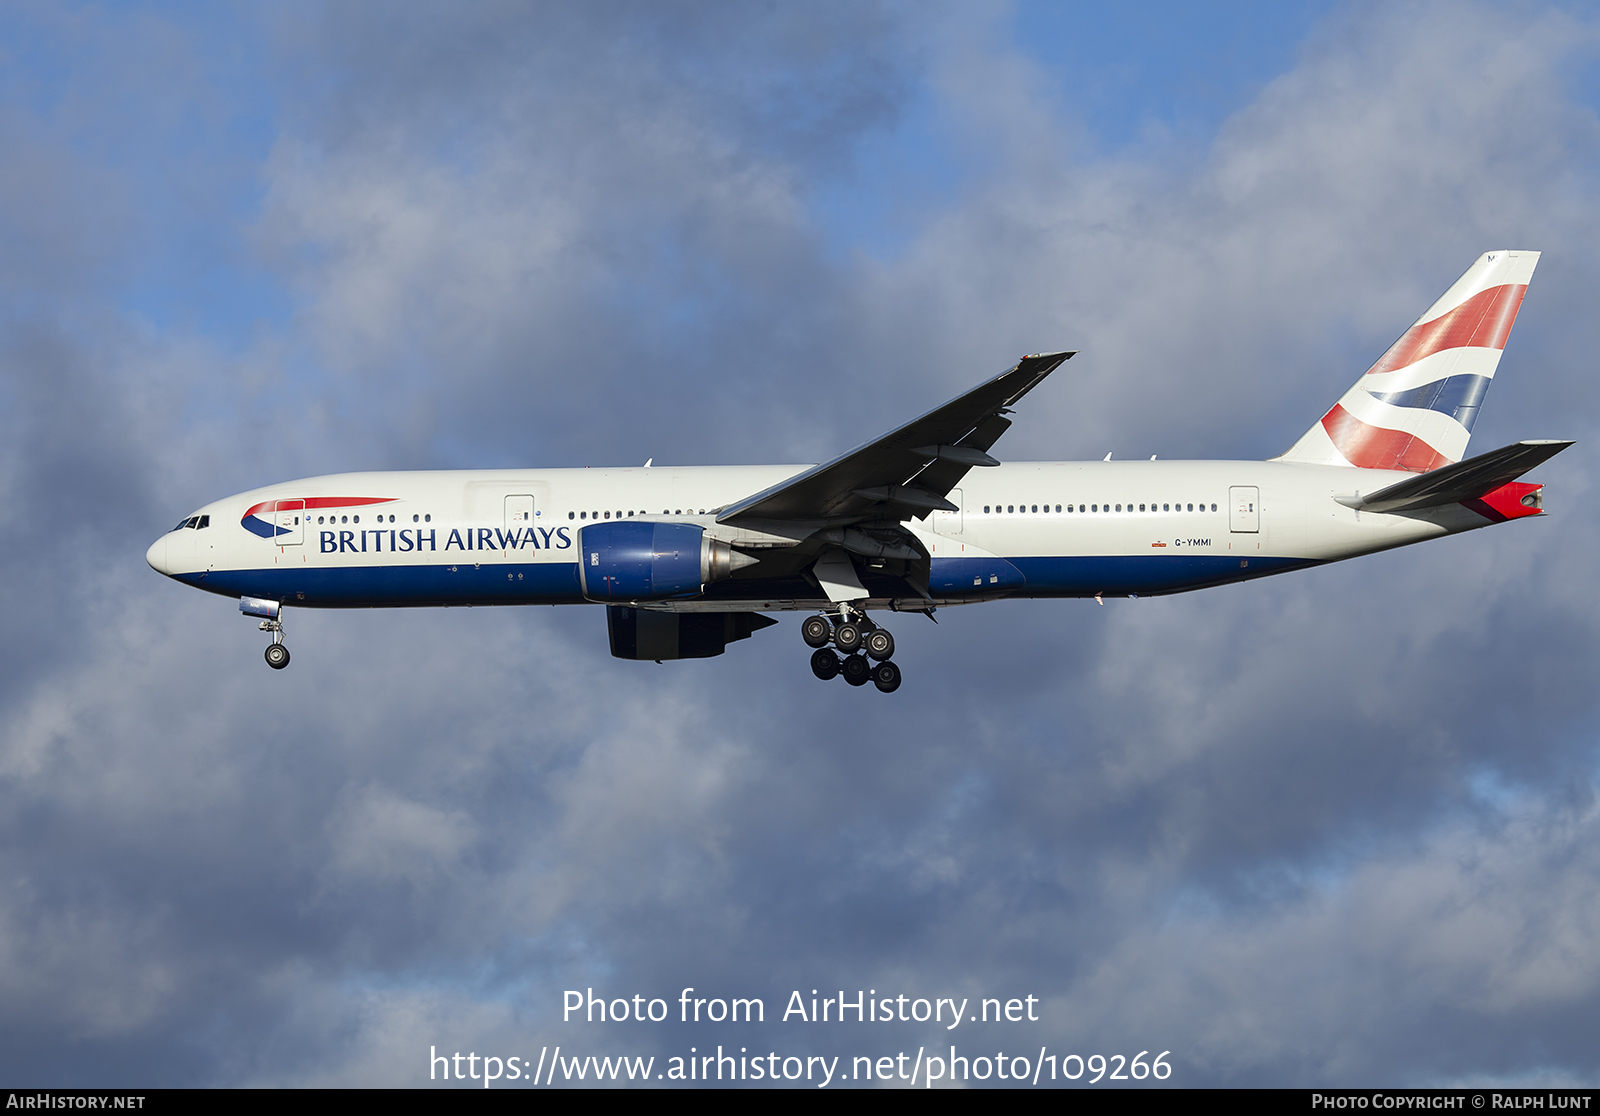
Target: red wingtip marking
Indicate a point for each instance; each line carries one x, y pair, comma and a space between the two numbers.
1505, 502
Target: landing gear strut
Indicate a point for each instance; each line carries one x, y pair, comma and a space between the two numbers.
277, 654
852, 633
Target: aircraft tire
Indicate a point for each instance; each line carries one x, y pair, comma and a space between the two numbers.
277, 656
816, 631
879, 644
825, 664
856, 671
847, 638
886, 676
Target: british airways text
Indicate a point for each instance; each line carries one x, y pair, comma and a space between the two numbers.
473, 538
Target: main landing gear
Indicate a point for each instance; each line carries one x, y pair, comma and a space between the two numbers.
853, 634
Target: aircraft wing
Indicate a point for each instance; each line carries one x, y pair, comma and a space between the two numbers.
909, 470
1465, 480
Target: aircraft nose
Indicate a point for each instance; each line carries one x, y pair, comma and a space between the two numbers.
157, 556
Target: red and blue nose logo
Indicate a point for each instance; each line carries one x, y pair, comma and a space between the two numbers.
273, 519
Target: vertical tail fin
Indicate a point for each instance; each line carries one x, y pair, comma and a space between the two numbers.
1415, 408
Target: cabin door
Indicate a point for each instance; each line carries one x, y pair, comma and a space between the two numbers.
519, 513
1244, 510
289, 521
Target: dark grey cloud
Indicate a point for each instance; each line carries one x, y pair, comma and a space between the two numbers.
1334, 827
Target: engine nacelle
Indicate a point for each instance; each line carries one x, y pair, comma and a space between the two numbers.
647, 561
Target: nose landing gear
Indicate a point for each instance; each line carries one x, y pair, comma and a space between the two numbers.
852, 633
277, 654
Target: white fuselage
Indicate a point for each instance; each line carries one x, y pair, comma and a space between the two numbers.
512, 536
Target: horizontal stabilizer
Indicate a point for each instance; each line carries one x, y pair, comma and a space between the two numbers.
1466, 480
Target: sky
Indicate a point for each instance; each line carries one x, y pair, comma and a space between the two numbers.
1335, 828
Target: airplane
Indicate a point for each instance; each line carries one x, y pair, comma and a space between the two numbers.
688, 560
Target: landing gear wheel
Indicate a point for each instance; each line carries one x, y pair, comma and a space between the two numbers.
856, 671
816, 631
825, 664
886, 676
847, 637
879, 644
277, 656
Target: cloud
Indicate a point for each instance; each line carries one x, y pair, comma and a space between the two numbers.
1325, 827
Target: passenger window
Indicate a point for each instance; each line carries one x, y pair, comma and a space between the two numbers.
1058, 509
1166, 507
1119, 507
1094, 507
319, 519
1036, 507
1080, 507
427, 519
986, 509
572, 515
355, 519
413, 519
1213, 507
1191, 507
344, 519
583, 515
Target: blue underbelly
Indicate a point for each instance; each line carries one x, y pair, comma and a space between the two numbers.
402, 586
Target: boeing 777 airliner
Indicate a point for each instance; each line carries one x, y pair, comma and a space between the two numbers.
686, 560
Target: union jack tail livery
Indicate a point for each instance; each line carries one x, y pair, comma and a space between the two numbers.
1414, 409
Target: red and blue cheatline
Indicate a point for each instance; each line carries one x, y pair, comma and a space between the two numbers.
258, 519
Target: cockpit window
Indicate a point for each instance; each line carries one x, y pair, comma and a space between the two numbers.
205, 521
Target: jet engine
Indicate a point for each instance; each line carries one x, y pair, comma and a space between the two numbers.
642, 560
